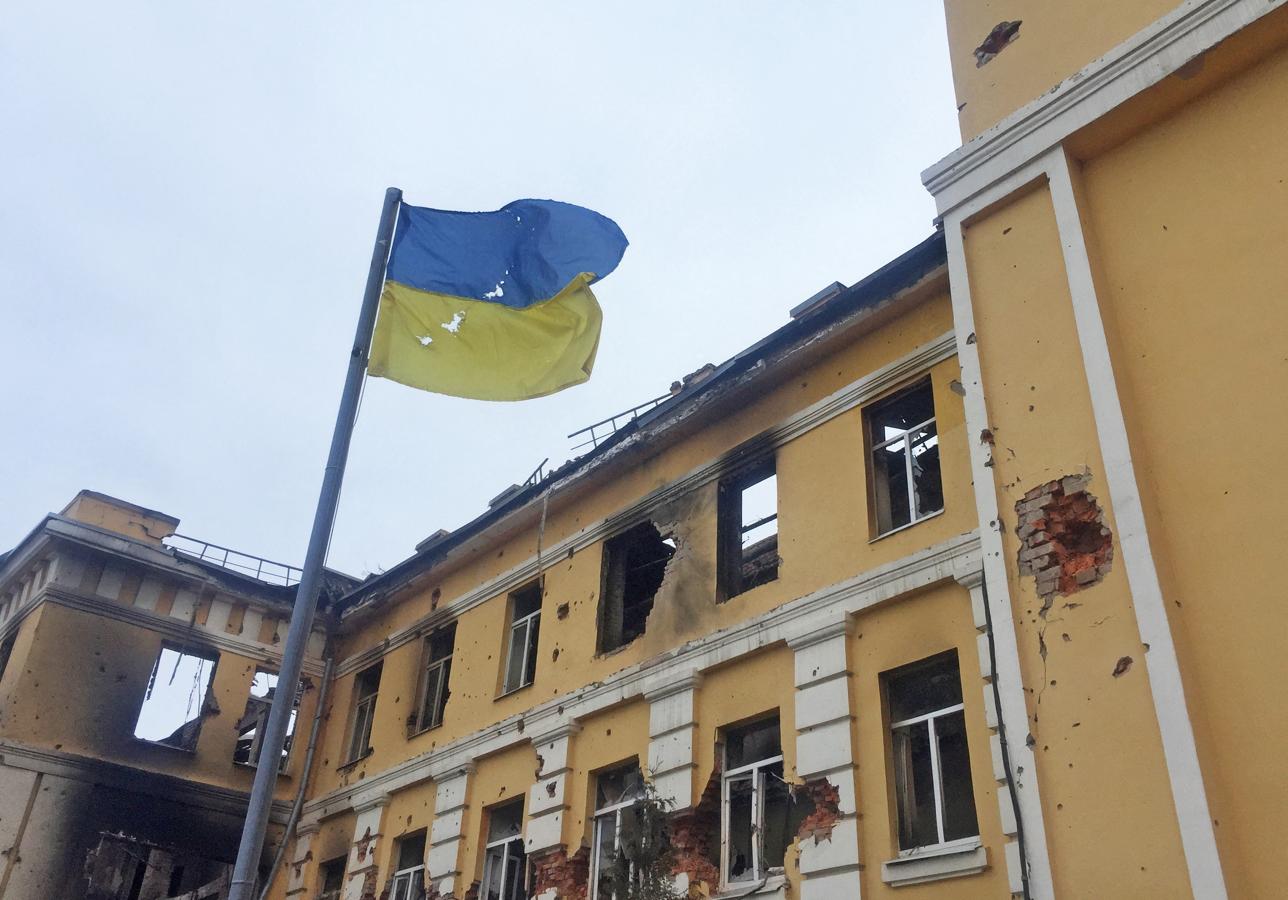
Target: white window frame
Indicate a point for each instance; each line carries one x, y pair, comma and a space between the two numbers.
527, 623
405, 879
364, 714
936, 777
500, 849
442, 666
603, 817
754, 771
906, 436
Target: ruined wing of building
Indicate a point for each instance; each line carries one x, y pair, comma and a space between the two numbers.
946, 588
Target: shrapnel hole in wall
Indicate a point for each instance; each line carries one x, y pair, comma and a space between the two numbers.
1064, 543
635, 565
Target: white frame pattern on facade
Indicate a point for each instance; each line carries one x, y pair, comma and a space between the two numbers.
500, 849
441, 668
905, 435
526, 623
756, 774
602, 816
937, 778
364, 714
405, 878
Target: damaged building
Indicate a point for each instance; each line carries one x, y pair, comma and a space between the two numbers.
136, 666
935, 591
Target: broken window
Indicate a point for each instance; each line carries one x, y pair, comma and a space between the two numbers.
409, 876
434, 677
755, 803
906, 485
617, 793
525, 624
748, 529
634, 566
331, 878
251, 726
933, 792
365, 687
503, 858
177, 698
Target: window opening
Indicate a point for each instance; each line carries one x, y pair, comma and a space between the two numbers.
755, 803
617, 794
933, 791
366, 685
906, 481
634, 567
434, 678
250, 727
6, 651
503, 859
525, 625
409, 876
748, 524
177, 693
331, 875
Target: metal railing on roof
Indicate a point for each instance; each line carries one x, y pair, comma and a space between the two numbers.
265, 570
605, 428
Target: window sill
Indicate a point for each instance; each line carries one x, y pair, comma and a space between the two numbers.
885, 534
951, 860
513, 691
775, 886
350, 763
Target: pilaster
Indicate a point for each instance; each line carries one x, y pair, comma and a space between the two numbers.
671, 726
361, 874
299, 872
546, 799
446, 834
829, 864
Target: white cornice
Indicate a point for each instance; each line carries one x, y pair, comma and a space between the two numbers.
786, 623
1140, 62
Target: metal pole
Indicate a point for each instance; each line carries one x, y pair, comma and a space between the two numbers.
306, 594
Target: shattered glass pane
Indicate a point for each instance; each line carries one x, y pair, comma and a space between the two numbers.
890, 483
914, 786
954, 776
776, 808
927, 485
741, 831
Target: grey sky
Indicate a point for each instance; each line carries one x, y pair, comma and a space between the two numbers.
190, 192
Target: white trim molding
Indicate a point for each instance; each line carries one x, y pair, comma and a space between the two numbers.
672, 674
1140, 62
1180, 752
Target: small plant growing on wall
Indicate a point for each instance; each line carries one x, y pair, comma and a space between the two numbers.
641, 868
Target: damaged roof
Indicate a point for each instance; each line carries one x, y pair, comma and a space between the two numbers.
814, 320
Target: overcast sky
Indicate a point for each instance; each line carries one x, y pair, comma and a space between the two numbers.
189, 196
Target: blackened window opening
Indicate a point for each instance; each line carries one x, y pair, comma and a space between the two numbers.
634, 567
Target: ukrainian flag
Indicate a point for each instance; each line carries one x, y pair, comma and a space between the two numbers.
494, 305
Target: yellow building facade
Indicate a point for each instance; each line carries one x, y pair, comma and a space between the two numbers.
946, 588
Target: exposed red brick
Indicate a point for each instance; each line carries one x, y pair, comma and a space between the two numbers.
692, 833
826, 801
568, 876
1063, 541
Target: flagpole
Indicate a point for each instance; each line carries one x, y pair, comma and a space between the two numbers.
306, 594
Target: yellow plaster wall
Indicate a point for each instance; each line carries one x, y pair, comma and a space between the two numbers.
824, 535
1188, 220
86, 701
607, 740
124, 518
1055, 40
1110, 820
497, 779
889, 636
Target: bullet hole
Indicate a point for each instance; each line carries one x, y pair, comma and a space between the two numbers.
1002, 35
1122, 666
561, 611
957, 388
